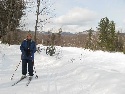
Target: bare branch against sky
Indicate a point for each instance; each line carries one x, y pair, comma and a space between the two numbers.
79, 15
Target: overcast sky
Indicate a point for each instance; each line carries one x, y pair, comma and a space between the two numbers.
79, 15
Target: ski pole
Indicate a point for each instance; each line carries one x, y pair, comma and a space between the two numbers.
35, 73
15, 70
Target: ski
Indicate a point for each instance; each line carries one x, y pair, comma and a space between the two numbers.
29, 80
18, 81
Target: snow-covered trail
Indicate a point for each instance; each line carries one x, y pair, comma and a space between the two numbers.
72, 71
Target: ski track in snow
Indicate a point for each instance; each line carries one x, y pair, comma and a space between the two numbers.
70, 71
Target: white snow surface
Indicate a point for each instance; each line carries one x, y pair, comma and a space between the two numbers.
70, 71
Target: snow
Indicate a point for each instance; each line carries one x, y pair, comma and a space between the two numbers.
70, 71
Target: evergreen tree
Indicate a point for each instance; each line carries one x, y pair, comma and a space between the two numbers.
11, 12
111, 41
119, 42
89, 40
107, 35
103, 32
3, 18
14, 10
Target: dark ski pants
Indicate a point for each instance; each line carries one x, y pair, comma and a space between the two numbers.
30, 67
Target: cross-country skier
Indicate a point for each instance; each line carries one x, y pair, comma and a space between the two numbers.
28, 48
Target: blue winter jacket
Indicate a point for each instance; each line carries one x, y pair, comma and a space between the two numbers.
24, 47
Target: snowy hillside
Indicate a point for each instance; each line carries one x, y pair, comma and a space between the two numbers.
70, 71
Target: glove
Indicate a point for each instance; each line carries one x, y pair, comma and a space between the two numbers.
28, 52
33, 62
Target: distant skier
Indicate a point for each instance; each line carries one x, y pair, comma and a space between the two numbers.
28, 48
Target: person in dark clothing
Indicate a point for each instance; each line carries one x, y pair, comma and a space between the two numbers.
28, 48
